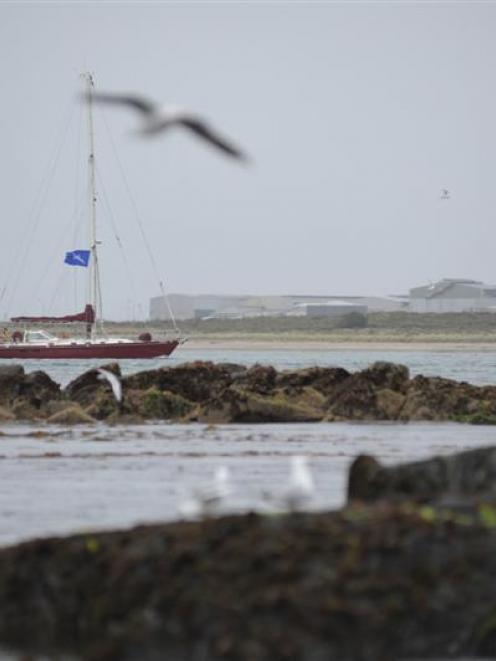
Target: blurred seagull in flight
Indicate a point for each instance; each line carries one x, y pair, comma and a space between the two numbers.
114, 383
209, 499
157, 118
445, 194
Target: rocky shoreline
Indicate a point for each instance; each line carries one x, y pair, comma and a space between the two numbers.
228, 393
399, 573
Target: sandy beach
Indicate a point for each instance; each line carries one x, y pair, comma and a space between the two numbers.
250, 344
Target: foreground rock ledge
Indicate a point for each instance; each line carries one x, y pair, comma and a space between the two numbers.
367, 583
224, 392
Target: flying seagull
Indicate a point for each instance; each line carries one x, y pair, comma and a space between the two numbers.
445, 194
157, 118
114, 382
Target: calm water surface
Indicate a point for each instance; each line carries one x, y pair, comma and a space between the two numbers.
478, 367
57, 480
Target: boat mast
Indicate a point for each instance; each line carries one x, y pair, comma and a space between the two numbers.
95, 298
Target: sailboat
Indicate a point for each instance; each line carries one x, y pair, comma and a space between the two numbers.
40, 343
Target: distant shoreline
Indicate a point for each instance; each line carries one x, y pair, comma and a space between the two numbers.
275, 344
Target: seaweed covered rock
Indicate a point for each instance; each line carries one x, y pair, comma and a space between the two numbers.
196, 382
387, 375
324, 379
355, 399
237, 404
161, 404
461, 476
11, 380
26, 395
228, 392
87, 387
71, 414
365, 583
436, 398
39, 389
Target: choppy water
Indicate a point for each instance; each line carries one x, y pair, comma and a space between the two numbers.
478, 367
56, 480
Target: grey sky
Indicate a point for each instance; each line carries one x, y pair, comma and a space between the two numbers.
356, 116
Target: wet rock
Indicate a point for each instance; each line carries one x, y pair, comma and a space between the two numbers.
240, 405
259, 378
39, 389
22, 409
435, 398
85, 388
197, 381
71, 415
6, 415
324, 379
364, 584
229, 392
11, 380
389, 403
387, 375
164, 405
470, 474
355, 399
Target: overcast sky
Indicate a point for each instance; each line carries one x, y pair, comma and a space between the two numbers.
356, 115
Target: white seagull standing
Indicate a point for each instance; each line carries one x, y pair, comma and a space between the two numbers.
300, 489
114, 383
157, 118
209, 500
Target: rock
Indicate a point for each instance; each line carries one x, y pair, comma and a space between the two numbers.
72, 415
366, 583
470, 474
259, 378
239, 405
387, 375
324, 379
84, 388
230, 392
435, 398
39, 389
355, 399
11, 380
196, 382
24, 410
389, 403
6, 415
164, 405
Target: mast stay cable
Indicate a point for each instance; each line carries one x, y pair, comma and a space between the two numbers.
141, 228
35, 214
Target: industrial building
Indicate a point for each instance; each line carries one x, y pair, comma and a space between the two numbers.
237, 307
453, 295
446, 295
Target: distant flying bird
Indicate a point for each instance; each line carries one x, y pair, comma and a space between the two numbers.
158, 118
209, 499
114, 382
445, 194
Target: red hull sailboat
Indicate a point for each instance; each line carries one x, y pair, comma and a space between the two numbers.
40, 344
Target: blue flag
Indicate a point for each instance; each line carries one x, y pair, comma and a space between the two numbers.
77, 257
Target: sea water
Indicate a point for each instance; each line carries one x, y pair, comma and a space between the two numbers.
478, 367
56, 480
